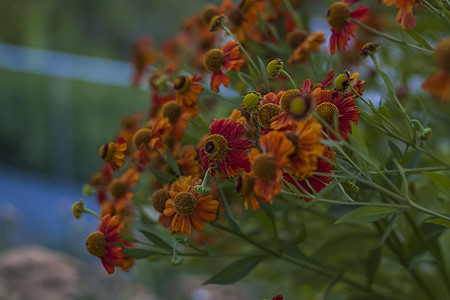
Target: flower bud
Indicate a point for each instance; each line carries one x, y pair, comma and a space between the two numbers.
341, 82
216, 23
274, 68
78, 208
368, 49
251, 100
203, 190
425, 134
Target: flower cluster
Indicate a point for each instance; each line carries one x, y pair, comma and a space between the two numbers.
203, 154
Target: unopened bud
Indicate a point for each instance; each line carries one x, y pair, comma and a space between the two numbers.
203, 190
368, 49
425, 134
251, 100
78, 208
274, 68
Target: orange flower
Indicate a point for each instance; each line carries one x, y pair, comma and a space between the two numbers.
114, 153
178, 117
306, 140
187, 90
267, 166
439, 83
405, 15
141, 58
187, 159
244, 187
227, 58
188, 208
309, 44
98, 243
146, 139
243, 17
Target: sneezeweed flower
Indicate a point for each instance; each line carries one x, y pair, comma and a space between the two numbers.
227, 57
243, 17
337, 110
316, 182
244, 188
311, 43
307, 148
187, 90
98, 243
404, 15
368, 49
142, 57
114, 153
178, 116
267, 166
439, 83
224, 148
188, 208
338, 18
148, 138
159, 199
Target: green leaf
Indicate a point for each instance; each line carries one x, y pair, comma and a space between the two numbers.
128, 238
396, 151
139, 253
442, 182
388, 83
439, 221
235, 271
384, 111
163, 177
373, 262
418, 38
172, 163
156, 240
262, 68
367, 214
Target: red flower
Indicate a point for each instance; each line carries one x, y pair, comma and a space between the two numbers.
98, 243
337, 18
224, 147
227, 58
330, 108
317, 182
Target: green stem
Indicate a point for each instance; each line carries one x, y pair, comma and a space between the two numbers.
355, 203
311, 266
290, 78
91, 212
389, 37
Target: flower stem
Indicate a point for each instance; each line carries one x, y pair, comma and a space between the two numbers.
390, 38
290, 78
91, 212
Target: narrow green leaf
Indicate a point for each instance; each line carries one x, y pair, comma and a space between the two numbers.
439, 221
387, 231
235, 271
163, 177
396, 151
373, 262
139, 253
128, 238
328, 295
385, 111
418, 38
442, 182
366, 214
262, 68
156, 240
388, 83
172, 163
